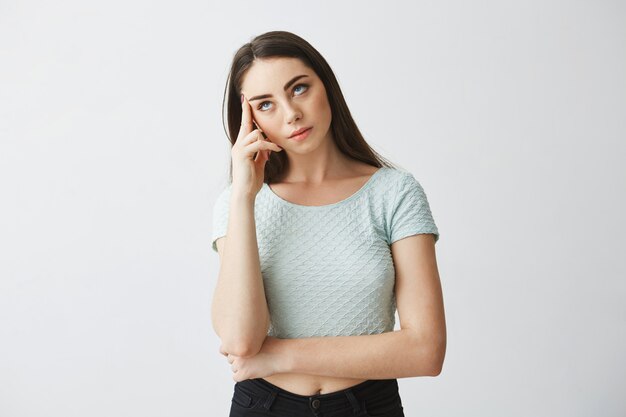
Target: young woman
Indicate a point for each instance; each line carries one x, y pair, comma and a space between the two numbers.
320, 241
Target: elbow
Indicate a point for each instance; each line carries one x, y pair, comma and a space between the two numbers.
242, 342
430, 355
437, 355
243, 350
244, 346
436, 370
249, 348
433, 367
238, 347
252, 344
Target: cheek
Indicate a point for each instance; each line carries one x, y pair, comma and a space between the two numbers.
271, 128
323, 108
321, 105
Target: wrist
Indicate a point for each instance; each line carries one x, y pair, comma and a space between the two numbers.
287, 362
242, 197
279, 348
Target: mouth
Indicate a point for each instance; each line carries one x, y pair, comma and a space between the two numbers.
302, 136
295, 134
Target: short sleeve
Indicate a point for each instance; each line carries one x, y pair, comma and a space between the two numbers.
410, 212
220, 216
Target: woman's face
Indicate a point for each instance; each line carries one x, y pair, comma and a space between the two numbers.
286, 95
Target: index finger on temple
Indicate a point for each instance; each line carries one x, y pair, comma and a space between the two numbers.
246, 115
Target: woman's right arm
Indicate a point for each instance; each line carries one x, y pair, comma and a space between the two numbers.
239, 310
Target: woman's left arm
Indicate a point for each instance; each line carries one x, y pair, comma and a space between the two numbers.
417, 349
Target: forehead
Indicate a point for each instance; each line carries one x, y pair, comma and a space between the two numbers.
271, 74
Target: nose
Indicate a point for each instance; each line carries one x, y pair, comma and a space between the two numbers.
292, 114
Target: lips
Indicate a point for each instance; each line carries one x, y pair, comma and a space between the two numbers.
297, 132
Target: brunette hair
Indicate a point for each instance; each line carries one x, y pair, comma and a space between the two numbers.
271, 44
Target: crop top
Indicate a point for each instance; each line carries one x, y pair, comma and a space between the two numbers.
328, 270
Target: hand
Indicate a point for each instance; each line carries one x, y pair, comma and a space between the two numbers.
248, 169
265, 363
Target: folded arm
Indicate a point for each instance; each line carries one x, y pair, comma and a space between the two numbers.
397, 354
417, 349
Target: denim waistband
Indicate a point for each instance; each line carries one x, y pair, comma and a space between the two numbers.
349, 397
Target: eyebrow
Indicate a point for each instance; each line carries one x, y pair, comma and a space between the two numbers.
289, 83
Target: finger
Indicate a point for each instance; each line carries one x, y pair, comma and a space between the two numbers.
249, 138
246, 117
262, 145
256, 126
262, 156
258, 156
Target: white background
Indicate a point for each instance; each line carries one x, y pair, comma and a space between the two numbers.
511, 115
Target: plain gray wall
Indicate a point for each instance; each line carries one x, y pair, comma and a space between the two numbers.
510, 114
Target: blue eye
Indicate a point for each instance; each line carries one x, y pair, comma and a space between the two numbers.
302, 85
261, 108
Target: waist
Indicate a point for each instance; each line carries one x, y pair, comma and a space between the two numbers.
307, 385
259, 393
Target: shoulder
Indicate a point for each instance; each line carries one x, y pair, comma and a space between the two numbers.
409, 210
395, 180
404, 188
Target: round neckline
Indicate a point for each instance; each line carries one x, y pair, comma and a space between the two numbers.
345, 200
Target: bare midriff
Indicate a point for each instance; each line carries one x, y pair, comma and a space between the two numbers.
304, 384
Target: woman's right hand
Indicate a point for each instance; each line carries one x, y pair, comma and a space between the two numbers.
248, 170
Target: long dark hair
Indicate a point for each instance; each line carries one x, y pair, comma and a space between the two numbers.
346, 134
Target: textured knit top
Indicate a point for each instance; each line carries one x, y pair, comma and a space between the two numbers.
328, 270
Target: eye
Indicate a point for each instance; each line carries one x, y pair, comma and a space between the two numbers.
261, 105
306, 87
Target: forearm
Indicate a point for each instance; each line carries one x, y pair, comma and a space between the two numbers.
396, 354
239, 310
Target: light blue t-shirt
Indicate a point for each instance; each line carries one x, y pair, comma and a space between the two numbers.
328, 270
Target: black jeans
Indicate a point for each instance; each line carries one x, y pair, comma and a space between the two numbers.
372, 398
